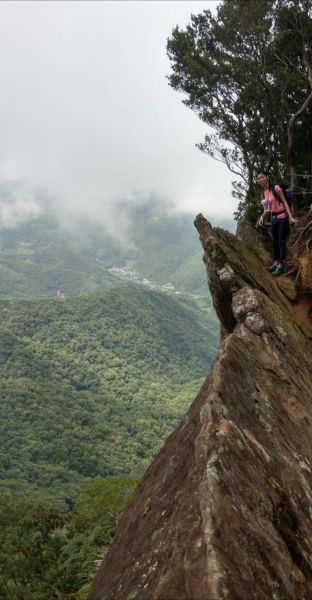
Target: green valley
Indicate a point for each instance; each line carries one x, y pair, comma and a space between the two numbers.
41, 257
103, 346
92, 386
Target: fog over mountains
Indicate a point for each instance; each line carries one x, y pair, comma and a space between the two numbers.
86, 111
20, 201
44, 250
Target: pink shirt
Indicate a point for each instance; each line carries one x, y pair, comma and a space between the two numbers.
273, 204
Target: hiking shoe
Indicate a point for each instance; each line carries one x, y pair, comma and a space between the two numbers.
278, 271
272, 267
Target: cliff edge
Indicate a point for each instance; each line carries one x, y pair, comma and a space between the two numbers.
224, 512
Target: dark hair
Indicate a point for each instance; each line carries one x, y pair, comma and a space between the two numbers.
262, 172
266, 173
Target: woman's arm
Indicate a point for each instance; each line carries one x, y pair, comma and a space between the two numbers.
285, 203
263, 217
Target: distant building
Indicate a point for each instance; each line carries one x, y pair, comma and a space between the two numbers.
60, 294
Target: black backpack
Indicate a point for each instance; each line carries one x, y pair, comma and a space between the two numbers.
287, 193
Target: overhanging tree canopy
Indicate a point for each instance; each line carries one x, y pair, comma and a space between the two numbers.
246, 73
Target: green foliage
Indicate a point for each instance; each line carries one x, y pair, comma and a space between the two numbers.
39, 257
46, 554
246, 72
99, 503
248, 209
168, 251
89, 386
26, 554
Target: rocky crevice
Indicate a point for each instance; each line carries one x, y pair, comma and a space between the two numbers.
225, 510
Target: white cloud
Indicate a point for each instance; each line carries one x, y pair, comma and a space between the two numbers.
86, 111
18, 204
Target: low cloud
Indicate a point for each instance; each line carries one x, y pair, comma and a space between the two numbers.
91, 119
18, 204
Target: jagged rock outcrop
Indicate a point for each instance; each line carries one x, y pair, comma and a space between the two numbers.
225, 510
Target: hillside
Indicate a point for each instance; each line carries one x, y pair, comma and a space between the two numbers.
167, 250
91, 383
40, 257
92, 386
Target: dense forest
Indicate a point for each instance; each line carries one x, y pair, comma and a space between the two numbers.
46, 553
90, 387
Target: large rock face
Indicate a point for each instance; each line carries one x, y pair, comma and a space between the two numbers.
225, 510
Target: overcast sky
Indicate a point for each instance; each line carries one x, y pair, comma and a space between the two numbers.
86, 111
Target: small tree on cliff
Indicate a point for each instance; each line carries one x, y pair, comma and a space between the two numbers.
231, 69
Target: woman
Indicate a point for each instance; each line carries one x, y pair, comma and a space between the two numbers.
280, 218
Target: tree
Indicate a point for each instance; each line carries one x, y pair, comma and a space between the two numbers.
46, 554
27, 555
100, 504
231, 69
293, 51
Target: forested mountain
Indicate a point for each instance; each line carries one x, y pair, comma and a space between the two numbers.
41, 256
38, 258
99, 359
96, 369
92, 386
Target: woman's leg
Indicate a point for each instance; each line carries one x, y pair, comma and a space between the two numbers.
276, 242
283, 234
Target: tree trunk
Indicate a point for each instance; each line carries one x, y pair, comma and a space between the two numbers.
290, 157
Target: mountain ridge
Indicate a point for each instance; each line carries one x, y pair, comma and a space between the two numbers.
40, 256
224, 511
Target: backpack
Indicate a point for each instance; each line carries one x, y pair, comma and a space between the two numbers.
287, 193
